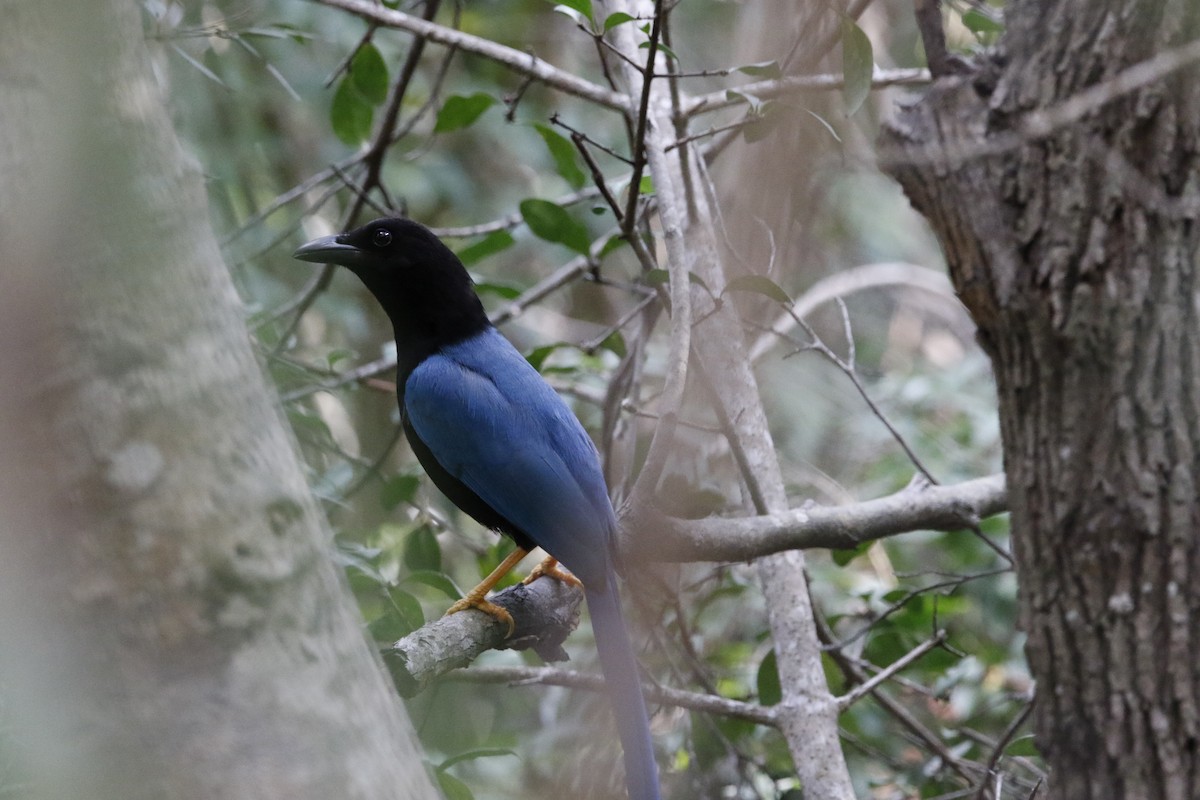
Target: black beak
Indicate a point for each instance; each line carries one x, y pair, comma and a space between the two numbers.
328, 250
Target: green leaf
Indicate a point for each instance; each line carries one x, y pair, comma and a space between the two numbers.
614, 242
538, 355
551, 222
489, 245
844, 557
311, 424
615, 343
350, 115
336, 355
615, 19
980, 24
764, 69
437, 580
762, 124
769, 690
352, 555
566, 160
408, 608
755, 103
471, 755
662, 48
858, 66
584, 7
502, 290
389, 627
453, 788
421, 551
758, 284
398, 489
459, 111
369, 74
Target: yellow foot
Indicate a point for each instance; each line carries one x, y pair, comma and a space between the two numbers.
487, 607
550, 568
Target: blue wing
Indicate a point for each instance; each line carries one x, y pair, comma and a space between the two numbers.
493, 423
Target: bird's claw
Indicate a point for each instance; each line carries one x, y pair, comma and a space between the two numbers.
487, 607
550, 568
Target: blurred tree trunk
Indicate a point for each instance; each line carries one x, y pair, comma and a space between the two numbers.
172, 623
1067, 205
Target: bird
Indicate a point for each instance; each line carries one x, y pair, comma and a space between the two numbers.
501, 444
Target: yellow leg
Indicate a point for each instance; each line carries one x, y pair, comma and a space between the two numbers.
475, 597
550, 568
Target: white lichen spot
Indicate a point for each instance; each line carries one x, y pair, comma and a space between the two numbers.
239, 613
1120, 603
135, 466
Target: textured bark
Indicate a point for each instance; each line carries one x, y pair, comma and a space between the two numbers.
1072, 239
173, 623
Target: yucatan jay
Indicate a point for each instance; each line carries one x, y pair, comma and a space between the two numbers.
498, 441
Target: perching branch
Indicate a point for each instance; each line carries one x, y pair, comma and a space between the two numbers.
546, 611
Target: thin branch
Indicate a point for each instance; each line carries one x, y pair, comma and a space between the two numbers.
517, 61
573, 679
868, 686
643, 118
933, 36
766, 90
944, 508
889, 275
901, 714
847, 367
998, 750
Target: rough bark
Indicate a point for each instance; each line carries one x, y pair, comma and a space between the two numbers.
173, 624
1072, 239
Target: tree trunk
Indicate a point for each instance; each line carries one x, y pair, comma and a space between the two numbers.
1064, 190
172, 623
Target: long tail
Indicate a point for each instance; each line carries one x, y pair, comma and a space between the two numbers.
624, 690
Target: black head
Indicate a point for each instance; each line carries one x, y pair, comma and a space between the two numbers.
420, 283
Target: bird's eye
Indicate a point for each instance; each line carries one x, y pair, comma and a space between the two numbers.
383, 237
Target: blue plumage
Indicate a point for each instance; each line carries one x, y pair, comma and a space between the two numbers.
498, 441
492, 422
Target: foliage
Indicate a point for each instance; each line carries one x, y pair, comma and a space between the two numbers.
282, 106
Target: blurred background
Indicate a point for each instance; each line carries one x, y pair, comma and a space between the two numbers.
282, 102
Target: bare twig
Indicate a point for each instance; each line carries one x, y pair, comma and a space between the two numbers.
643, 118
766, 90
998, 750
847, 367
868, 686
521, 63
551, 676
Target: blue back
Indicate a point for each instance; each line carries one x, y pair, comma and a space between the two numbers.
493, 423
